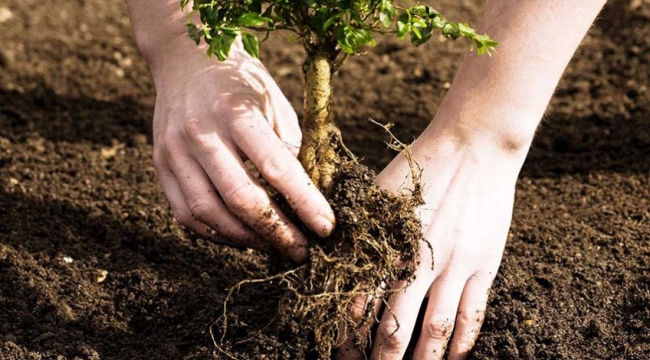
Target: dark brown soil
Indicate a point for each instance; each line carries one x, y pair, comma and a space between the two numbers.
79, 198
376, 241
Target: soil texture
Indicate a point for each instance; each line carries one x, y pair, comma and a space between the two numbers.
92, 266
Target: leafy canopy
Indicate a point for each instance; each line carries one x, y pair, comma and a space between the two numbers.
332, 26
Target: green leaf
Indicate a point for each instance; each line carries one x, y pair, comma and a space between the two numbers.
251, 45
344, 41
362, 37
194, 33
230, 30
351, 23
386, 13
466, 30
253, 20
424, 11
415, 31
425, 35
403, 25
329, 22
221, 44
485, 45
418, 22
450, 31
351, 39
438, 22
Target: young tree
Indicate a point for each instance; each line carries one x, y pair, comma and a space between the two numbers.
378, 234
330, 31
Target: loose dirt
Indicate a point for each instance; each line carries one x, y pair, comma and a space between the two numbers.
92, 266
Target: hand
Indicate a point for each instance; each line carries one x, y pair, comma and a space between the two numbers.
471, 155
468, 192
209, 118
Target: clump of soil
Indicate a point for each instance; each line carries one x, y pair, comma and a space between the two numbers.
574, 280
376, 242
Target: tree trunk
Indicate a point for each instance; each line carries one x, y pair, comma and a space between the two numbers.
321, 138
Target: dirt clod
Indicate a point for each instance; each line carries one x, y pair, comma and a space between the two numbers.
376, 242
589, 196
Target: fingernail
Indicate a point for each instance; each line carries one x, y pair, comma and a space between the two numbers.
325, 224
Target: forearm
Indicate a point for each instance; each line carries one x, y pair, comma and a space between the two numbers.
160, 31
499, 100
156, 23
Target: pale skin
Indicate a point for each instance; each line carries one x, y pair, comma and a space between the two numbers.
212, 116
209, 118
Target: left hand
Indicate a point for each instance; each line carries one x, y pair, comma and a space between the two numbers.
471, 155
469, 194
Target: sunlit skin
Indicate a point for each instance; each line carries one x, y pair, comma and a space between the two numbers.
211, 116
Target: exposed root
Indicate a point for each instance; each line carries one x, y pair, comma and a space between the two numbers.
376, 243
321, 158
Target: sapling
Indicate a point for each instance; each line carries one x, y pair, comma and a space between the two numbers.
330, 31
377, 238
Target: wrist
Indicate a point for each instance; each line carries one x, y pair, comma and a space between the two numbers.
488, 106
487, 132
159, 29
469, 151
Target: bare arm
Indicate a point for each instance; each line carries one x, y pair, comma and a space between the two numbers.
502, 98
471, 155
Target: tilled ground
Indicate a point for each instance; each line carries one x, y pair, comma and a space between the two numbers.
93, 267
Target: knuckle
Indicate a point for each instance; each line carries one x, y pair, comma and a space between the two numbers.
439, 329
159, 160
169, 145
358, 309
224, 106
466, 342
167, 137
183, 216
242, 199
234, 105
199, 209
395, 338
192, 129
470, 317
463, 317
273, 169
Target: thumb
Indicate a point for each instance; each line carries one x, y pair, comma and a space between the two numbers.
283, 119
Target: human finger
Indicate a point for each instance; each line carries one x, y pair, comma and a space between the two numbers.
195, 204
358, 332
247, 199
257, 140
276, 109
471, 314
399, 318
283, 119
178, 206
439, 317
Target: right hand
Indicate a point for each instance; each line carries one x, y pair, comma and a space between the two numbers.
209, 118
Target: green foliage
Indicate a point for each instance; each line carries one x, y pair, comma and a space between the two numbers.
331, 26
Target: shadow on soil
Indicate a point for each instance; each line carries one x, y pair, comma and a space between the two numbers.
609, 145
157, 285
58, 118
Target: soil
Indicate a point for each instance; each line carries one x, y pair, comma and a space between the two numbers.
376, 241
92, 266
